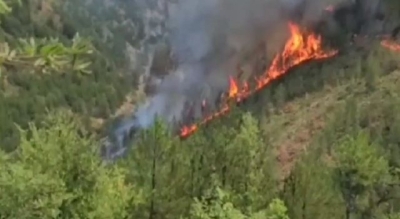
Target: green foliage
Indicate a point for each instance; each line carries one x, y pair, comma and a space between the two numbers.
173, 173
226, 170
112, 27
158, 168
42, 68
392, 216
358, 154
251, 167
4, 8
362, 172
310, 190
47, 55
216, 204
57, 174
275, 210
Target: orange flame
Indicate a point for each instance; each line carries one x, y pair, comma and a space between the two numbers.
298, 48
390, 44
233, 88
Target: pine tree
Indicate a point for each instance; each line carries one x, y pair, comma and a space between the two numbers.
56, 174
199, 166
276, 210
218, 139
362, 173
310, 190
251, 167
160, 167
217, 204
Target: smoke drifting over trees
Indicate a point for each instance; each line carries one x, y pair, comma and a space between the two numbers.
321, 142
210, 39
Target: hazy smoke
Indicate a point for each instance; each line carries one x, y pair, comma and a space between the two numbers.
209, 38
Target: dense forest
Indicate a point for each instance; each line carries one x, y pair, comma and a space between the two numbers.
323, 142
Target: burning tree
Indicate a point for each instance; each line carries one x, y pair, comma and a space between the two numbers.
304, 44
300, 47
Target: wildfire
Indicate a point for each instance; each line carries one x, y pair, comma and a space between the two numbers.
233, 88
390, 44
299, 48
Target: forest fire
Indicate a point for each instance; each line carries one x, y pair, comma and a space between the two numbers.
391, 44
300, 47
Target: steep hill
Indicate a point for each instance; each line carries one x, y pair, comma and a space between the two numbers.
322, 142
368, 76
117, 32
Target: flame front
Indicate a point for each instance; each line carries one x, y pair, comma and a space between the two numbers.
299, 48
391, 44
233, 88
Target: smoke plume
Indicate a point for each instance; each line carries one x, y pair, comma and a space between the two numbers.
209, 39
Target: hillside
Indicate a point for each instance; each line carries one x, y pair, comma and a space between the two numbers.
307, 117
321, 142
116, 37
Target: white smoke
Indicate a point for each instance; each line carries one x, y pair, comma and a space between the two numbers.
208, 39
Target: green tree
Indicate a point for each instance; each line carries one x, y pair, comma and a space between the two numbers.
159, 167
56, 173
276, 210
216, 204
237, 155
392, 216
310, 190
363, 175
47, 65
251, 167
210, 155
5, 7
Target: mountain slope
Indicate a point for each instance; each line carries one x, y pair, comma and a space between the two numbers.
301, 121
117, 43
323, 142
